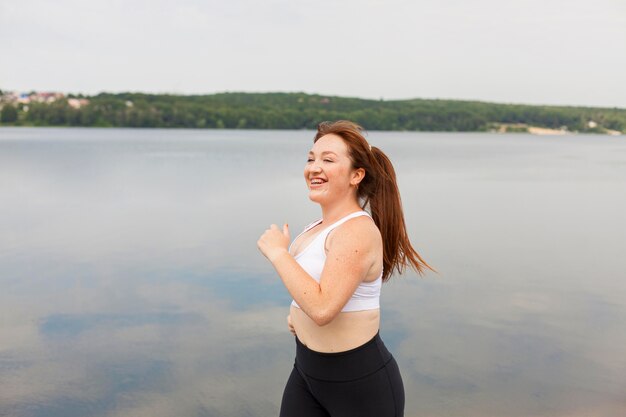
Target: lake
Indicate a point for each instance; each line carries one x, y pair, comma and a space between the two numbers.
131, 284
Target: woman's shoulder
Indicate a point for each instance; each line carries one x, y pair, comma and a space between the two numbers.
359, 230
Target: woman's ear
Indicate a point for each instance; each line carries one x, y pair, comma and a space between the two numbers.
357, 176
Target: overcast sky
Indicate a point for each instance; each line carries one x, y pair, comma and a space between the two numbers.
516, 51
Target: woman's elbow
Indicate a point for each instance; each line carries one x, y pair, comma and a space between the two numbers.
323, 317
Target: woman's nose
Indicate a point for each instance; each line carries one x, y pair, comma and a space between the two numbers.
315, 167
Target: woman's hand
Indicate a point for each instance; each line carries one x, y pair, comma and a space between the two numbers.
274, 242
290, 325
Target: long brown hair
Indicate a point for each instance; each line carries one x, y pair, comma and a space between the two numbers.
378, 189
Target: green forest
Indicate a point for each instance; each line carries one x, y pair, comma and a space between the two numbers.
305, 111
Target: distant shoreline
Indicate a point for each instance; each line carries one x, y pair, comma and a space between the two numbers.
543, 131
300, 111
532, 130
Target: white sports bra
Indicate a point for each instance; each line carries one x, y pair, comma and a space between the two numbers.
313, 257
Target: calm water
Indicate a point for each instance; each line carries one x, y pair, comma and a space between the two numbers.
131, 285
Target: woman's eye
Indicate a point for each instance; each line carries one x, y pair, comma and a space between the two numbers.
328, 160
309, 160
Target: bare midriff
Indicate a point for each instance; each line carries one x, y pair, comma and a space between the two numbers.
347, 330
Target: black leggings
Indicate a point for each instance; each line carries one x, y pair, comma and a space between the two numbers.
361, 382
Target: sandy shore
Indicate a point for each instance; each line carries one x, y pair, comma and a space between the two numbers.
545, 131
535, 130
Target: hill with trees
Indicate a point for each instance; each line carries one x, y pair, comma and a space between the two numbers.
304, 111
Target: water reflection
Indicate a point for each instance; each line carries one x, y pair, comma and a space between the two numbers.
131, 283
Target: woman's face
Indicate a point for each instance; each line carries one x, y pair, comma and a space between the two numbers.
328, 171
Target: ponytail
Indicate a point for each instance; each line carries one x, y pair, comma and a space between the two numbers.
386, 207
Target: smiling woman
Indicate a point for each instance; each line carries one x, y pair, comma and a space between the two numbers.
334, 271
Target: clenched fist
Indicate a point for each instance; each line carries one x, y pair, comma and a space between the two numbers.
274, 242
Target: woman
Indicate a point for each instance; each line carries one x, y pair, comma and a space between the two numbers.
334, 270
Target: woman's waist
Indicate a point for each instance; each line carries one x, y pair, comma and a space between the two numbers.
351, 364
347, 330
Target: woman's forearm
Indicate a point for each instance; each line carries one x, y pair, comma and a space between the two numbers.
302, 287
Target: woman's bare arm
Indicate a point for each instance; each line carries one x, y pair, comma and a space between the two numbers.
350, 255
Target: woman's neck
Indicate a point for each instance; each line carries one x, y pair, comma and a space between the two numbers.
331, 214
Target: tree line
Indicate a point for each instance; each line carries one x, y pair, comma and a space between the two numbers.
305, 111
